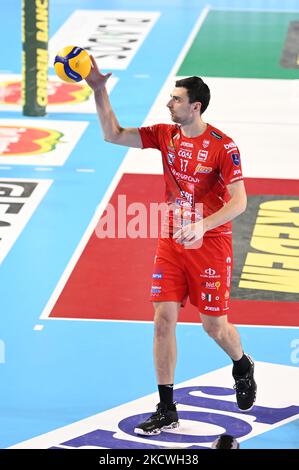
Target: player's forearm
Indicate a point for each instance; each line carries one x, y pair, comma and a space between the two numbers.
108, 120
228, 212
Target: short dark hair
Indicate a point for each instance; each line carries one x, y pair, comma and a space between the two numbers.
197, 90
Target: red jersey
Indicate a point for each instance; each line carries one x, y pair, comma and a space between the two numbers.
196, 169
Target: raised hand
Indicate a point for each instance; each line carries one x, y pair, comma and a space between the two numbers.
96, 80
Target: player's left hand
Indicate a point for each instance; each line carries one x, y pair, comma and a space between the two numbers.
190, 235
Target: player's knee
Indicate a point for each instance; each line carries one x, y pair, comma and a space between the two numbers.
217, 332
164, 323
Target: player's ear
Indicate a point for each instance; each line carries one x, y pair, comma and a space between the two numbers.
197, 106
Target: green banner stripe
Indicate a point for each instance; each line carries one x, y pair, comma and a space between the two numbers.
240, 44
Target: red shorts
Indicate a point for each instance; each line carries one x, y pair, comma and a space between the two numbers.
203, 273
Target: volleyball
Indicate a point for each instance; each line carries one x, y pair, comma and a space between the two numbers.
72, 64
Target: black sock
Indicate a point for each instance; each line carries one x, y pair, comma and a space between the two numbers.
241, 366
166, 394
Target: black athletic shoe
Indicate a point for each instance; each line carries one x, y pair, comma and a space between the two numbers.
166, 417
226, 441
245, 387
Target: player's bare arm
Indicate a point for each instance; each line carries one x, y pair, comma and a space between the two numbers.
234, 207
190, 234
112, 130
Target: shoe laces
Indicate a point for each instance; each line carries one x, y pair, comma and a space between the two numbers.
160, 413
242, 385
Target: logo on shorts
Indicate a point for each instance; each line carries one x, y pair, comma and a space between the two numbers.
210, 273
228, 276
156, 290
212, 285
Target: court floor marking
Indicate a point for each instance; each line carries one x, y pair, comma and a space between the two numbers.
82, 243
262, 10
196, 28
110, 320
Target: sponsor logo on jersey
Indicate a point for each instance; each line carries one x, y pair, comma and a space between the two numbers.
236, 158
202, 169
187, 144
183, 177
230, 145
185, 153
202, 155
237, 172
214, 134
170, 158
188, 196
182, 202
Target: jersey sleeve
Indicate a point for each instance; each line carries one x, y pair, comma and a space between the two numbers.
150, 136
230, 163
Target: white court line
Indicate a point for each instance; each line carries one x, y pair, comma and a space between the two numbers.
85, 170
121, 170
83, 242
38, 327
262, 10
43, 169
185, 49
150, 322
